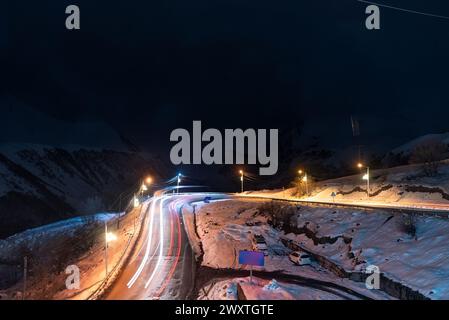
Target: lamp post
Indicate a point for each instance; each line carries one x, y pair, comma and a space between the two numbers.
241, 181
179, 181
367, 177
143, 188
106, 248
136, 202
305, 179
108, 237
148, 181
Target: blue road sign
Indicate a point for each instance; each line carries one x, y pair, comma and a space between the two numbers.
252, 258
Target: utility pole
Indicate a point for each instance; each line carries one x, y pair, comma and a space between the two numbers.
251, 274
367, 181
307, 184
106, 248
178, 182
241, 181
25, 272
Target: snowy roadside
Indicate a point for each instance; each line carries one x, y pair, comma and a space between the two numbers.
52, 248
355, 239
404, 186
376, 236
227, 227
136, 220
261, 289
188, 216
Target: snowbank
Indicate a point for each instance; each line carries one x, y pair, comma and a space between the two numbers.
227, 227
355, 239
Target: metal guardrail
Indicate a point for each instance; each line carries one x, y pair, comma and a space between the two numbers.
424, 211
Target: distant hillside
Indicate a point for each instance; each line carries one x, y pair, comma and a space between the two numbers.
401, 154
51, 169
408, 147
40, 184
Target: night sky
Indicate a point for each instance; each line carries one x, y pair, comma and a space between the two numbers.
145, 68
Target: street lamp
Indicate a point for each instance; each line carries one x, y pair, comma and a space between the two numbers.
306, 181
241, 181
145, 183
136, 202
108, 237
366, 177
143, 188
179, 181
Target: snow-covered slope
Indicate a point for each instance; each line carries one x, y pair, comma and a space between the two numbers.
41, 184
51, 169
402, 154
408, 147
355, 239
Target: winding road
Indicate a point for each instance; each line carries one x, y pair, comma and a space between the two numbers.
161, 265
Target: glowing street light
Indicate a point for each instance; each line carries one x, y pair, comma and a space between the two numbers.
143, 188
145, 183
179, 181
241, 180
136, 202
366, 177
108, 237
305, 179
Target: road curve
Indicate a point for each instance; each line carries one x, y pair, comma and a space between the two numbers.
160, 266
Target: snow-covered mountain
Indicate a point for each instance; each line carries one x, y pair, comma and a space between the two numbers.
401, 154
41, 184
408, 147
51, 169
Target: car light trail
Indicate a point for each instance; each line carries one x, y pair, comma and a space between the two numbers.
148, 248
178, 253
161, 236
159, 255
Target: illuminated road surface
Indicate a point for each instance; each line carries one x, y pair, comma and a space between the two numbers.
162, 264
